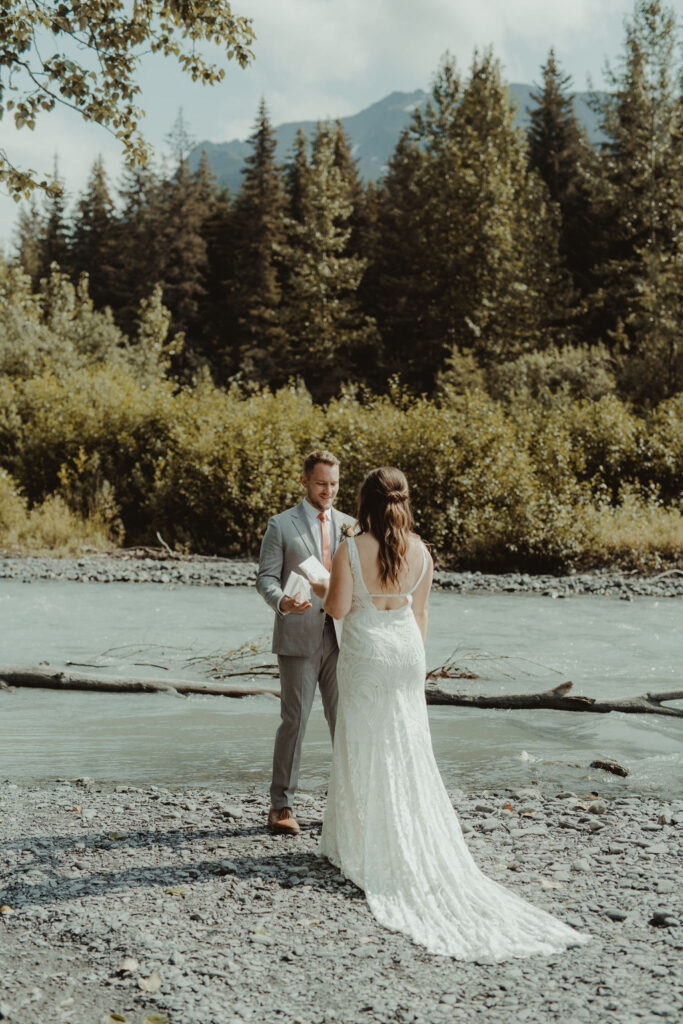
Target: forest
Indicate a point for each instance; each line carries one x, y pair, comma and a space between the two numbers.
500, 314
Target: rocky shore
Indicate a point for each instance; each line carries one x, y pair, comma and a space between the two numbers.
225, 572
162, 905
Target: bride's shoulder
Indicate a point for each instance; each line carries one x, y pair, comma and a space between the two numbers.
418, 544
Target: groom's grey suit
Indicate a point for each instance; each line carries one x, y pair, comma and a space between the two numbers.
305, 642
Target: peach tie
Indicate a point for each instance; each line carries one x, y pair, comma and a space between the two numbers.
325, 541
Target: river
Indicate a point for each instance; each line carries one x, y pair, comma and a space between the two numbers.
607, 647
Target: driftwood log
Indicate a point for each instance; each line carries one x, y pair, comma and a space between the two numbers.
557, 699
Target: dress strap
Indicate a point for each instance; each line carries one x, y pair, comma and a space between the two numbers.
425, 563
354, 560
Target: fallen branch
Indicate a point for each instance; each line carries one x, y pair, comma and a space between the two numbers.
556, 699
48, 679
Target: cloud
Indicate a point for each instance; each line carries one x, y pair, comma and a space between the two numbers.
330, 58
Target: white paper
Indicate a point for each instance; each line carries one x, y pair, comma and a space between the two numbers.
297, 587
314, 570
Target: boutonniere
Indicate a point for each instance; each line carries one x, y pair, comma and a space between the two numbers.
347, 530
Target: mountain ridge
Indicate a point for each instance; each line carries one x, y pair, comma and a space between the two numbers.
372, 133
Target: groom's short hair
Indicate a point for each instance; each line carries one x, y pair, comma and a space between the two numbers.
319, 455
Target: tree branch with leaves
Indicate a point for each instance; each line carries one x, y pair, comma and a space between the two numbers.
94, 71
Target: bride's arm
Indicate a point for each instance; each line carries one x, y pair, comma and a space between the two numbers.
337, 594
421, 598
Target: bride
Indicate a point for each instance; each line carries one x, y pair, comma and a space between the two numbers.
389, 825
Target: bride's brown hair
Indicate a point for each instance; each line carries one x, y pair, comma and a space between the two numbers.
384, 511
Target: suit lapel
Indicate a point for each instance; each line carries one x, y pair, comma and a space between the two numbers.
302, 523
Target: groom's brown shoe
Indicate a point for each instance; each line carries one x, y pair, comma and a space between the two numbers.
282, 820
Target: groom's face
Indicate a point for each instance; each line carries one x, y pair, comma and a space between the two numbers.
322, 485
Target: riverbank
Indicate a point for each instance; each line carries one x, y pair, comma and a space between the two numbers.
129, 904
225, 572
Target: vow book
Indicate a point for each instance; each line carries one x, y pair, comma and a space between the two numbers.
314, 570
298, 587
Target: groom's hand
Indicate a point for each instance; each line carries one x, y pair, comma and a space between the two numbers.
289, 604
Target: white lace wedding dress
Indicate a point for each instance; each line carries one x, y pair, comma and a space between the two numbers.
389, 825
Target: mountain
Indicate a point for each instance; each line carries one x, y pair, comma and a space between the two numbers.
373, 133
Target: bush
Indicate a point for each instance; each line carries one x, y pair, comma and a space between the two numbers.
533, 486
13, 509
49, 526
636, 534
581, 371
232, 461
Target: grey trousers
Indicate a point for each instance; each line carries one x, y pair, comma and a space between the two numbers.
298, 678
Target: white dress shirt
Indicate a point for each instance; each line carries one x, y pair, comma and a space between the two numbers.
312, 512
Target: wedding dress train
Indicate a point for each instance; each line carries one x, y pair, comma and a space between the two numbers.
389, 825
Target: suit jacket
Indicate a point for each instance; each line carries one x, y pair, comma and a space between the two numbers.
287, 542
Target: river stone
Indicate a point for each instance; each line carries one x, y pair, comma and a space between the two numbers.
608, 764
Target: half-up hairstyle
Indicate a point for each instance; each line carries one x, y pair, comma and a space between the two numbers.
384, 511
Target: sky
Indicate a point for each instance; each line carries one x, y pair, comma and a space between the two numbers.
329, 58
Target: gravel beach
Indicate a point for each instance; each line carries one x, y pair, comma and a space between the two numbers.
225, 572
154, 904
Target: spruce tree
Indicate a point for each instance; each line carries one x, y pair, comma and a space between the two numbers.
29, 236
54, 243
319, 309
95, 238
295, 172
218, 327
394, 283
560, 151
641, 278
184, 211
348, 167
258, 238
140, 264
468, 256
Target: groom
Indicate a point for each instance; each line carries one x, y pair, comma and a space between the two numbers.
304, 637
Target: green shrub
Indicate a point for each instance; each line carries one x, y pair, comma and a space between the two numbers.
498, 485
13, 509
232, 462
575, 371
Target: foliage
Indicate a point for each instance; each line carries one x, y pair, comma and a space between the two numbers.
636, 535
640, 292
521, 486
468, 241
58, 329
578, 371
95, 241
258, 236
104, 88
560, 152
319, 311
51, 525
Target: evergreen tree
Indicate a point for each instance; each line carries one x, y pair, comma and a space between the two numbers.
641, 285
184, 210
348, 167
54, 243
258, 238
95, 238
218, 327
295, 173
393, 284
140, 262
319, 308
468, 256
30, 232
559, 150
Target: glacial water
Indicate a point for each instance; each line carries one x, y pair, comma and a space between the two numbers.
516, 643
